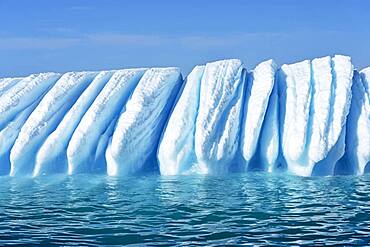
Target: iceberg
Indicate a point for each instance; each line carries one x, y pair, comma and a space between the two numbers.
358, 127
18, 98
260, 148
176, 154
9, 134
219, 120
23, 94
7, 83
139, 127
202, 134
310, 118
82, 147
295, 97
45, 118
53, 150
268, 148
314, 100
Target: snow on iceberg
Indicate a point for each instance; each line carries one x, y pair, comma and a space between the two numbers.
52, 156
83, 146
307, 118
9, 134
260, 148
295, 98
45, 118
218, 121
314, 99
23, 94
7, 83
18, 98
358, 126
176, 153
139, 127
268, 147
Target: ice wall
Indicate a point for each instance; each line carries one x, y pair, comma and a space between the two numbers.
314, 104
218, 124
45, 118
308, 118
52, 156
357, 148
99, 120
18, 99
139, 127
260, 138
202, 135
176, 152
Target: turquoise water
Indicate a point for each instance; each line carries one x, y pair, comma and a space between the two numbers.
255, 209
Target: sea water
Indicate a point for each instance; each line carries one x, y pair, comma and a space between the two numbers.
252, 209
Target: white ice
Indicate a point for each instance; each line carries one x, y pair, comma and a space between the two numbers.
308, 118
52, 155
295, 99
268, 150
322, 87
23, 94
260, 85
82, 148
218, 122
9, 134
358, 124
139, 127
176, 153
340, 101
45, 118
314, 101
7, 83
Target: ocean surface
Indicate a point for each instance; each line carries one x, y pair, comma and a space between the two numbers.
252, 209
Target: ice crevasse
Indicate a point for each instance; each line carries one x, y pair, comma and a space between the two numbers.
310, 118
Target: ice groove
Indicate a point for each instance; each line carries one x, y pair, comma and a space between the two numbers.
310, 118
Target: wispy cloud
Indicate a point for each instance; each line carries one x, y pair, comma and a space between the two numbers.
196, 41
201, 41
140, 40
128, 39
80, 8
26, 43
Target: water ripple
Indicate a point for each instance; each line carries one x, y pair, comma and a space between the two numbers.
253, 209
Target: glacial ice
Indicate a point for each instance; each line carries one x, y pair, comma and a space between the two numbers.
268, 148
81, 150
176, 152
18, 99
295, 97
139, 127
202, 135
314, 104
7, 83
308, 118
45, 118
53, 150
9, 134
219, 115
260, 150
358, 125
23, 94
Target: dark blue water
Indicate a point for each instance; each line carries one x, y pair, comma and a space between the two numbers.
255, 209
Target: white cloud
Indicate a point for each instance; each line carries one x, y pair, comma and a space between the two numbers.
195, 41
26, 43
135, 40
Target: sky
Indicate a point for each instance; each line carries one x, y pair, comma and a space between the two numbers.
73, 35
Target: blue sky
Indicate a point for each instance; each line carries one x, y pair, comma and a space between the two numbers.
64, 35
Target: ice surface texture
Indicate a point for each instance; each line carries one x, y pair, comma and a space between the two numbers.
139, 127
308, 118
314, 103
